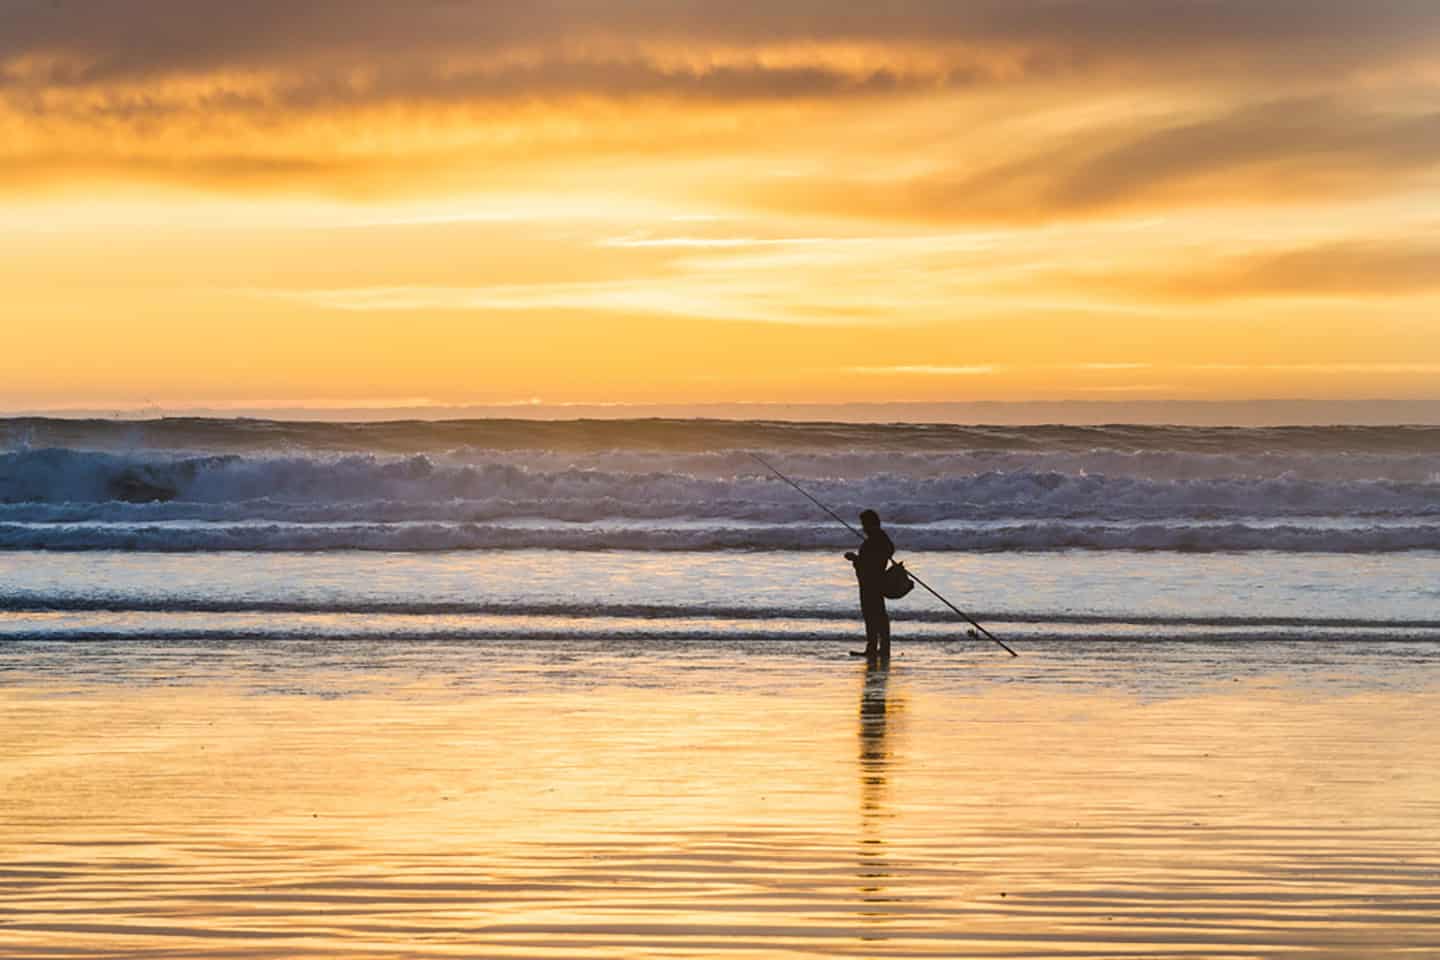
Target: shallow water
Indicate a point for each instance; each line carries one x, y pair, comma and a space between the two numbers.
613, 798
717, 597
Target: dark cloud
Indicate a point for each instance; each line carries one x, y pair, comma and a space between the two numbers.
139, 37
417, 84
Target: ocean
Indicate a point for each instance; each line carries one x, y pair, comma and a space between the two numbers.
670, 528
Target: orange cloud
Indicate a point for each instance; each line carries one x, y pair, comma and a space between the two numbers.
330, 94
1004, 197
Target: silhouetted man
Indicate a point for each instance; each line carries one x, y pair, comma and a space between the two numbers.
870, 564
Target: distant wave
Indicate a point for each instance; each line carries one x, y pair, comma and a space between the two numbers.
692, 485
662, 435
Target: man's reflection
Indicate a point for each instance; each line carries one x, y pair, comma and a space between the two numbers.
874, 769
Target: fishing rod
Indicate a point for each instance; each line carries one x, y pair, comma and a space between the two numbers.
841, 520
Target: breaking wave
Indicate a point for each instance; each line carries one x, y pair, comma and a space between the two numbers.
68, 486
1346, 490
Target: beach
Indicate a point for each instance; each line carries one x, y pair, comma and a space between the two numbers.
604, 799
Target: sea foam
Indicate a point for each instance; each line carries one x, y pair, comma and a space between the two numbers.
1349, 490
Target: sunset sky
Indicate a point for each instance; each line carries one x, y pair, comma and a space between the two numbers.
372, 203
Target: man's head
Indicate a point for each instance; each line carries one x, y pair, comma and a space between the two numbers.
869, 520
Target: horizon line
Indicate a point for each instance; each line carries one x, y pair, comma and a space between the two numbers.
1250, 412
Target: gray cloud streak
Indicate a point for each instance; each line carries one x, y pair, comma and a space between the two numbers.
1276, 151
1352, 268
1369, 268
416, 83
1318, 136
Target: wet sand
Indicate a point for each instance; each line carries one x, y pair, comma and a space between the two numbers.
554, 801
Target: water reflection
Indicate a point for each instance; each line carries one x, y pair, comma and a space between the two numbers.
875, 871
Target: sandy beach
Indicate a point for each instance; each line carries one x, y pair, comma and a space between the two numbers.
1195, 800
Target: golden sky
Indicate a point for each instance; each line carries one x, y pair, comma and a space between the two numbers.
363, 202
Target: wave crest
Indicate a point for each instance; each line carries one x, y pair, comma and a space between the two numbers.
60, 498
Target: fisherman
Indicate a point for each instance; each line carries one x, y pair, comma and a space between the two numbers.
870, 565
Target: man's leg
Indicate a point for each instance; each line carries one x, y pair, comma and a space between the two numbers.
873, 620
883, 628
